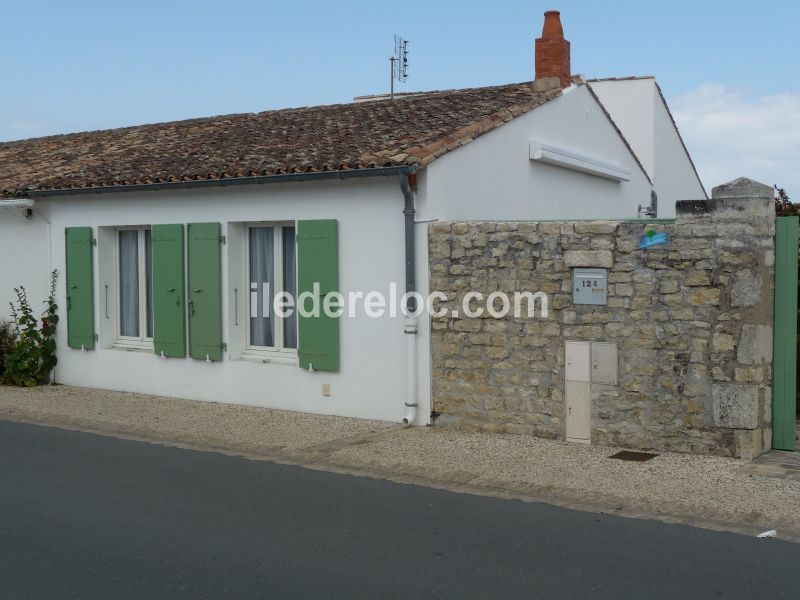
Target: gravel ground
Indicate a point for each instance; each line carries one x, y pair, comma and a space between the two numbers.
211, 424
680, 485
697, 489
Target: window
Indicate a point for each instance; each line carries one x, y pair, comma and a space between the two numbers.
135, 287
272, 269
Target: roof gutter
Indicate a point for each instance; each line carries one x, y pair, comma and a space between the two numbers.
229, 181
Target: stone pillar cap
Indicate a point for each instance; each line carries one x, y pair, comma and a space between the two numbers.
743, 187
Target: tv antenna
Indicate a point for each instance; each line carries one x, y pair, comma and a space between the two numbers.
398, 62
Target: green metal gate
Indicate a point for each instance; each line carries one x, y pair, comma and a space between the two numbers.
784, 356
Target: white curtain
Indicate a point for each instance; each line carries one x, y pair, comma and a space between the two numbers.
148, 265
262, 271
129, 282
290, 285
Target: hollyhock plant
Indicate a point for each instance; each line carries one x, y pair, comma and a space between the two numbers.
32, 357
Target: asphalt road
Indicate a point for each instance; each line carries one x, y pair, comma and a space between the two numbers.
86, 516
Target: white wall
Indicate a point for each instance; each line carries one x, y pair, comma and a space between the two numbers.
639, 110
24, 257
371, 381
675, 177
493, 177
631, 103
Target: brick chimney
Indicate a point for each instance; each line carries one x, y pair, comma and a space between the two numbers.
552, 51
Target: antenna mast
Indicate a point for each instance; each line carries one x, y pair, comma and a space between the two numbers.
398, 63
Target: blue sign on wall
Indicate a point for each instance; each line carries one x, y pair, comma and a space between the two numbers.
652, 238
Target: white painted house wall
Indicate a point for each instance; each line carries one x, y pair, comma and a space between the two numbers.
493, 178
24, 257
371, 381
639, 110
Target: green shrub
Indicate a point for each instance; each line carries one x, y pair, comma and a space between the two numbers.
33, 353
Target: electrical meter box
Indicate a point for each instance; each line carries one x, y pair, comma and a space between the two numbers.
590, 286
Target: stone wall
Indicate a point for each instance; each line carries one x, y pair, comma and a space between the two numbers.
692, 320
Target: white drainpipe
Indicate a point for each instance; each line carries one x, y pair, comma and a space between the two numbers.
411, 370
410, 326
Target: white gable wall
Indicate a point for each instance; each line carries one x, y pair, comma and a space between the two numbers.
675, 177
639, 110
631, 103
493, 177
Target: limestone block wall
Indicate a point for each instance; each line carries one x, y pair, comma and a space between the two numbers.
692, 320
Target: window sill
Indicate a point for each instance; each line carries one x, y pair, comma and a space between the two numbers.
132, 347
269, 358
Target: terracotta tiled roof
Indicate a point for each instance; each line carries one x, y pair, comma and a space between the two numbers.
407, 131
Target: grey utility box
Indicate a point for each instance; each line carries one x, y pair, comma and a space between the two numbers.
604, 363
589, 286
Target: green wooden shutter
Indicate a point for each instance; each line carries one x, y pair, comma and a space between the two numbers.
80, 288
205, 291
318, 261
169, 317
784, 355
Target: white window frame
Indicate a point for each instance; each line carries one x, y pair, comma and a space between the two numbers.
141, 342
279, 350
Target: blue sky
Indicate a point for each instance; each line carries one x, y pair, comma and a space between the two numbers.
78, 65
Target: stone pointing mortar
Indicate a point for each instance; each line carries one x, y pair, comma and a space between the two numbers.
692, 320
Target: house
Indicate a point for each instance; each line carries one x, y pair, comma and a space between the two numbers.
172, 239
